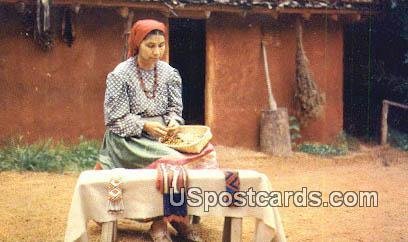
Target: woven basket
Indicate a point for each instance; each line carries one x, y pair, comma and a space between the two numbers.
202, 135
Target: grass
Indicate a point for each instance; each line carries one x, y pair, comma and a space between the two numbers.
54, 156
48, 156
342, 144
322, 149
345, 143
398, 139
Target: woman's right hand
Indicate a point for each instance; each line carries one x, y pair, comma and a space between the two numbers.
155, 129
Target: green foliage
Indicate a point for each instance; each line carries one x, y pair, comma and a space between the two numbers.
322, 149
294, 129
342, 144
398, 139
48, 156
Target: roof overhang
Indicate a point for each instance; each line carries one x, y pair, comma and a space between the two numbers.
203, 11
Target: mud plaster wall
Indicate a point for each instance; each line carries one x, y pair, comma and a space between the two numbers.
235, 83
60, 93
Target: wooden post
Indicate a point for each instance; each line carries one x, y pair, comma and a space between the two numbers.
109, 230
384, 123
232, 230
263, 233
384, 118
195, 219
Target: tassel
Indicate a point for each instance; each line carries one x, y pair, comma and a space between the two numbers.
170, 181
115, 198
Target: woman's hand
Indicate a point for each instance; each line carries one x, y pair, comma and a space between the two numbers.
155, 129
173, 123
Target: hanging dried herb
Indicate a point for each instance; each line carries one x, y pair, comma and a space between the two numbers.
309, 101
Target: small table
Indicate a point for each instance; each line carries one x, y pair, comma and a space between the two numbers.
141, 200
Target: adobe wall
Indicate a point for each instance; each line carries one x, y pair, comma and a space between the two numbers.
60, 93
236, 90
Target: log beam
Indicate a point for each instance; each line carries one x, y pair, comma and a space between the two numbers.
193, 14
306, 15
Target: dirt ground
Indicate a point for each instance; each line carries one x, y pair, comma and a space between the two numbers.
34, 206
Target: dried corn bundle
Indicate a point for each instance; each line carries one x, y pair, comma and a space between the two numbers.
308, 99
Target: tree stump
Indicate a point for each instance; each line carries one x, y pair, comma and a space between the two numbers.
274, 132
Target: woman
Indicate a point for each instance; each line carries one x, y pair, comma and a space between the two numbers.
143, 102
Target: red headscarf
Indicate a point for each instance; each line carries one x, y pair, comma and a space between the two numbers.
139, 31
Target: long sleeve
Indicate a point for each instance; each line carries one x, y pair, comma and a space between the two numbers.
117, 108
175, 102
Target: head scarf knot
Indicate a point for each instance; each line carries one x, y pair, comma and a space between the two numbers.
139, 31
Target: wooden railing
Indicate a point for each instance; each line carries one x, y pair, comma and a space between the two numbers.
384, 118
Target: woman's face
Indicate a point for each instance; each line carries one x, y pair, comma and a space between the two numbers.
152, 48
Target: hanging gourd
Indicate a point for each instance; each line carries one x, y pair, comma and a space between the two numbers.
309, 101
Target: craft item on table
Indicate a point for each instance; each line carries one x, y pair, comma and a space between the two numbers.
232, 184
115, 195
172, 182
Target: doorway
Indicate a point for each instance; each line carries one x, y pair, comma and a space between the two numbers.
187, 55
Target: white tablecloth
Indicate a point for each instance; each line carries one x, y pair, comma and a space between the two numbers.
142, 200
